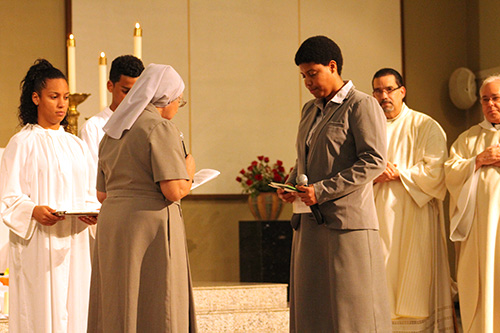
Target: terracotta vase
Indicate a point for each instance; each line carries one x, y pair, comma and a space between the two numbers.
265, 205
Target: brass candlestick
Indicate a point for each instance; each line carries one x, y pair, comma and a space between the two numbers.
73, 114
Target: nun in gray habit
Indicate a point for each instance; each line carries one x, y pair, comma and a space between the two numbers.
140, 272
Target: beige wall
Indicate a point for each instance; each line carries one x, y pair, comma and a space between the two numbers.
489, 38
434, 48
244, 91
26, 35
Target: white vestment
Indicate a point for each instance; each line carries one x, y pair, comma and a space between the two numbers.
92, 132
410, 213
475, 214
49, 265
4, 240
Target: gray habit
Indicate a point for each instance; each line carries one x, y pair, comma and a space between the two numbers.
140, 274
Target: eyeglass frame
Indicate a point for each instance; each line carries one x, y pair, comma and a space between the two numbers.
486, 100
380, 92
182, 101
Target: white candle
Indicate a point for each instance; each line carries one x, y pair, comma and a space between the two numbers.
138, 41
103, 94
71, 64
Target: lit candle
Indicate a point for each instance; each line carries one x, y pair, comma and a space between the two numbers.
103, 95
138, 41
71, 64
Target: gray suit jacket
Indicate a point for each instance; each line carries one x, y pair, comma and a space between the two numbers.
347, 152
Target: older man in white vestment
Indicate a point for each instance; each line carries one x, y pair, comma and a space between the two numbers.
409, 200
473, 179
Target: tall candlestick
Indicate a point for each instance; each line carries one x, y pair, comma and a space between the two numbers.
103, 95
138, 41
71, 64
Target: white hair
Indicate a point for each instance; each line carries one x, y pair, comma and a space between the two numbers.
489, 79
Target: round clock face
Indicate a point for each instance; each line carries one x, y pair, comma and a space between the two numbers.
462, 87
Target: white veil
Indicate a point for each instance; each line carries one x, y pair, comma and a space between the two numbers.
158, 84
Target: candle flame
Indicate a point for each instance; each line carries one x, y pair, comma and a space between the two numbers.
102, 59
137, 30
71, 41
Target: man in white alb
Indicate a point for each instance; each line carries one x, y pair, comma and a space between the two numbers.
124, 72
409, 200
473, 179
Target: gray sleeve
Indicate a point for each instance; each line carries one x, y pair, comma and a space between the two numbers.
167, 156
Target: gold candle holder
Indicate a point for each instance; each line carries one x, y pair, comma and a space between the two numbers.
73, 114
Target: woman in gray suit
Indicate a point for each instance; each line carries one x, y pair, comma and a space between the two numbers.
337, 278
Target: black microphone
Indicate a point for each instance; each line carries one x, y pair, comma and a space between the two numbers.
302, 181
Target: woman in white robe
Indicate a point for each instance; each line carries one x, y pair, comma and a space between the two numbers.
45, 169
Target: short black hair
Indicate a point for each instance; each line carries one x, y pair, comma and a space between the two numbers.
127, 65
319, 50
389, 71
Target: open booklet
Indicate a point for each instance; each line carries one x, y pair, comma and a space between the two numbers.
286, 187
203, 176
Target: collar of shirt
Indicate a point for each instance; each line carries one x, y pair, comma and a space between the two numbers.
338, 98
489, 126
38, 128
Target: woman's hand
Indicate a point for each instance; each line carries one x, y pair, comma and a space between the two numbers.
286, 196
307, 195
45, 215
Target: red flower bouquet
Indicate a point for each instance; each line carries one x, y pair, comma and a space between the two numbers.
256, 177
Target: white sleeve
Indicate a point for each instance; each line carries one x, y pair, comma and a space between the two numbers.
425, 179
16, 204
90, 135
461, 181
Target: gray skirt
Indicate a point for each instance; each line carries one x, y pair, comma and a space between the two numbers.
140, 271
337, 280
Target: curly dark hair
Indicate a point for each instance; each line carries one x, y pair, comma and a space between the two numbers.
35, 81
389, 71
127, 65
319, 50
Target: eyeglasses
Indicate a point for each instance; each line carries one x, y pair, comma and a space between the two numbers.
486, 100
182, 101
388, 91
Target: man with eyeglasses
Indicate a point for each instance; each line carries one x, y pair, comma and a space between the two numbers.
125, 70
409, 198
473, 179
